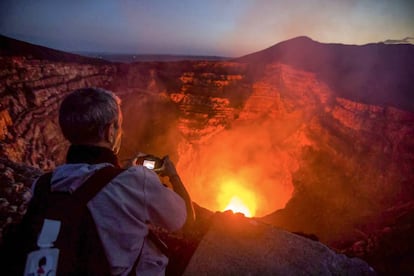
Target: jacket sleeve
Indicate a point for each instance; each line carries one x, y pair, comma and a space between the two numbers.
164, 207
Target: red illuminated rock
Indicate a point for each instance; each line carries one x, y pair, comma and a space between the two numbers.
31, 90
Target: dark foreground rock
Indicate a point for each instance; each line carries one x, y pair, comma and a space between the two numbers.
15, 182
386, 243
235, 245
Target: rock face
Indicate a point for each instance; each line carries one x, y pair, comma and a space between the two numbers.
365, 74
317, 136
31, 91
15, 180
235, 245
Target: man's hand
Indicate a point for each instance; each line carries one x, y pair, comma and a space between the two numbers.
167, 168
133, 161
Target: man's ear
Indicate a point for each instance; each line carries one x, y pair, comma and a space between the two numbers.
109, 133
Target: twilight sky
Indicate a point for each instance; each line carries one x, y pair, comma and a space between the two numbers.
201, 27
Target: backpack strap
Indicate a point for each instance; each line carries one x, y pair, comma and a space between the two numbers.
41, 190
88, 255
80, 196
95, 183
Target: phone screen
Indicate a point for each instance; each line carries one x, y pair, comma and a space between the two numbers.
149, 164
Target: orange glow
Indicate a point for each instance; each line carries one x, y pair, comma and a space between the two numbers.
237, 206
236, 198
256, 155
252, 162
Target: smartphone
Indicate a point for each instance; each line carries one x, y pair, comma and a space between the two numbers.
149, 164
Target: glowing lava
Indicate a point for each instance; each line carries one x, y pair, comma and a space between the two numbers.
237, 206
236, 198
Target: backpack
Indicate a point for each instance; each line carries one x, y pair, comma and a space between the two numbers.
80, 248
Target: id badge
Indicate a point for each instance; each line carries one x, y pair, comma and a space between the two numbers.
42, 262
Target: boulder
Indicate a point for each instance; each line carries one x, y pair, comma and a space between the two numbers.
236, 245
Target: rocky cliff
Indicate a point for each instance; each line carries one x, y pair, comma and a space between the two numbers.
292, 129
33, 81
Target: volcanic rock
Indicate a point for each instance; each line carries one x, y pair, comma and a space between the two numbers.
235, 245
30, 92
366, 73
15, 190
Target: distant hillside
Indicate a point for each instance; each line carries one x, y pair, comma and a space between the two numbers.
10, 46
129, 58
380, 74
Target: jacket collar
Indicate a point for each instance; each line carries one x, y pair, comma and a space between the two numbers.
90, 155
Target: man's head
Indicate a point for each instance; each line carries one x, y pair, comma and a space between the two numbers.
92, 116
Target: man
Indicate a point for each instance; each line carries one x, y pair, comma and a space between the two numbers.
91, 120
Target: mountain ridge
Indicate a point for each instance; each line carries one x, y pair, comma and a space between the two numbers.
364, 73
10, 46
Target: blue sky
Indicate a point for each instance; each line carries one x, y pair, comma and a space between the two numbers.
201, 27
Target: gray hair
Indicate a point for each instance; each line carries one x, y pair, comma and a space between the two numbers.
85, 113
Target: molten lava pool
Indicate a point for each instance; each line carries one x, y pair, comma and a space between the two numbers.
236, 198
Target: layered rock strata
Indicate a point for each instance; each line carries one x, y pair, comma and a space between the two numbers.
31, 91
